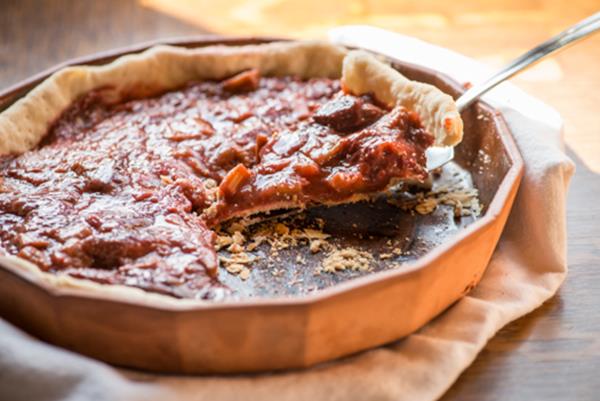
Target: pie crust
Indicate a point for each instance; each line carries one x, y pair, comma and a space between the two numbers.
166, 67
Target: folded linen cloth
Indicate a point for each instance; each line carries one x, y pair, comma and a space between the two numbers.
526, 269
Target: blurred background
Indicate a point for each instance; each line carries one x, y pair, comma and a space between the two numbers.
493, 32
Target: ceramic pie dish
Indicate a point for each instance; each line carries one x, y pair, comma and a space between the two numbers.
142, 329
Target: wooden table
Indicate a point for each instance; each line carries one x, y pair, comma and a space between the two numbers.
551, 354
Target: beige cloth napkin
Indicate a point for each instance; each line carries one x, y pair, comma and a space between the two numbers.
527, 268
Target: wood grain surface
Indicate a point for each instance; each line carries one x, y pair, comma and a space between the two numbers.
551, 354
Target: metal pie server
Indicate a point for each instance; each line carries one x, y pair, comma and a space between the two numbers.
438, 156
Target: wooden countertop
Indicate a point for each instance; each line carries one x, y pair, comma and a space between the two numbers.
551, 354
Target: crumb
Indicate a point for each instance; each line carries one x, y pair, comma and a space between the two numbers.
235, 248
237, 264
347, 259
315, 234
426, 205
244, 273
223, 241
464, 201
317, 244
234, 268
238, 238
256, 241
242, 258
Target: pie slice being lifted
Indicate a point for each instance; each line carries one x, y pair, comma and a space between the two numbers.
115, 174
368, 137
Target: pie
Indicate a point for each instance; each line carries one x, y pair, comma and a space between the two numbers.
117, 174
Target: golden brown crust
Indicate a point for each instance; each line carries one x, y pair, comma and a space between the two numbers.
157, 69
362, 73
166, 67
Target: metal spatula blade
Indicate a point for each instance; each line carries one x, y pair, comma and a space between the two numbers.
437, 156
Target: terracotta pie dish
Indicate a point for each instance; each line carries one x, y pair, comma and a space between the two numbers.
270, 323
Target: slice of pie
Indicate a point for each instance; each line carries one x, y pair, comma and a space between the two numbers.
116, 174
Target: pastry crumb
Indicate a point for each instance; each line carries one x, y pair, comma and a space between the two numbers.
347, 259
316, 245
256, 241
237, 264
223, 241
464, 201
234, 268
426, 205
244, 273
